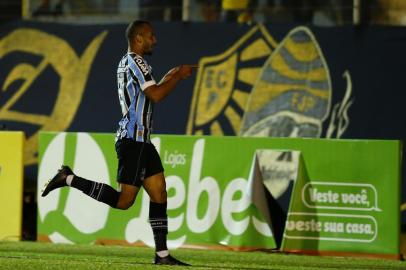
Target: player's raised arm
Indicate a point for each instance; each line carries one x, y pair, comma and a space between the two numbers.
159, 91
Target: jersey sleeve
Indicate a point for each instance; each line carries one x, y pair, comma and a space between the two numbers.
142, 72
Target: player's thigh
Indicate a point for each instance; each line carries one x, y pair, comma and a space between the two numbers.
155, 186
131, 162
154, 181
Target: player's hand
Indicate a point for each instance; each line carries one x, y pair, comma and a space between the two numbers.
186, 70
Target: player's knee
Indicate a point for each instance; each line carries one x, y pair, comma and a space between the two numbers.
159, 197
124, 205
124, 202
163, 196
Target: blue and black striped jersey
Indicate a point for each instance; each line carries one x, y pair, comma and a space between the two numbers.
134, 75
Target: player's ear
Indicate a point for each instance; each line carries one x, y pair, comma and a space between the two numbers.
138, 38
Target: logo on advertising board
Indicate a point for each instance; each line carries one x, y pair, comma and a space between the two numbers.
174, 159
335, 212
78, 222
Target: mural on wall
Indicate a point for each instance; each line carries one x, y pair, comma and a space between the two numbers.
51, 52
224, 84
259, 87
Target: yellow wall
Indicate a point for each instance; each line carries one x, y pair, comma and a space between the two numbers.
11, 184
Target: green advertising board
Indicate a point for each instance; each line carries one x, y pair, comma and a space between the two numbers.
356, 213
345, 195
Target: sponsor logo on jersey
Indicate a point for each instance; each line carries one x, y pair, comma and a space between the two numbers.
141, 65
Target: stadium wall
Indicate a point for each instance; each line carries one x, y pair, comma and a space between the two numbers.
253, 80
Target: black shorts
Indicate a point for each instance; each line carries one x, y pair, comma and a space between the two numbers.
136, 161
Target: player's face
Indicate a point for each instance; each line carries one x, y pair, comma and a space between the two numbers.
149, 40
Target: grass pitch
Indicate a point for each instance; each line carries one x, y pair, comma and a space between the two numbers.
32, 255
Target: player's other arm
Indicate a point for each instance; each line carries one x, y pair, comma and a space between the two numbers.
158, 92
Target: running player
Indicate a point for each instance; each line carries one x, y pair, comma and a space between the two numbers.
138, 161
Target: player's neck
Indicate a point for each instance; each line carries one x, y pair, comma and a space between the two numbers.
135, 50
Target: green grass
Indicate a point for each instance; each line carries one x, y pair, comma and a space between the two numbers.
32, 255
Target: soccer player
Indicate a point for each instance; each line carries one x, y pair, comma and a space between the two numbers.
138, 161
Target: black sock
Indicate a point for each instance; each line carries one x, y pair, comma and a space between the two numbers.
159, 224
98, 191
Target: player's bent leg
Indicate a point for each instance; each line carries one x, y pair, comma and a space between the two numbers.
96, 190
127, 197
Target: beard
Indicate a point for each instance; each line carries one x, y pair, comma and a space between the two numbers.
149, 51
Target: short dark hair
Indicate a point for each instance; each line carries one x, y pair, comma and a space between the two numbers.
134, 28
